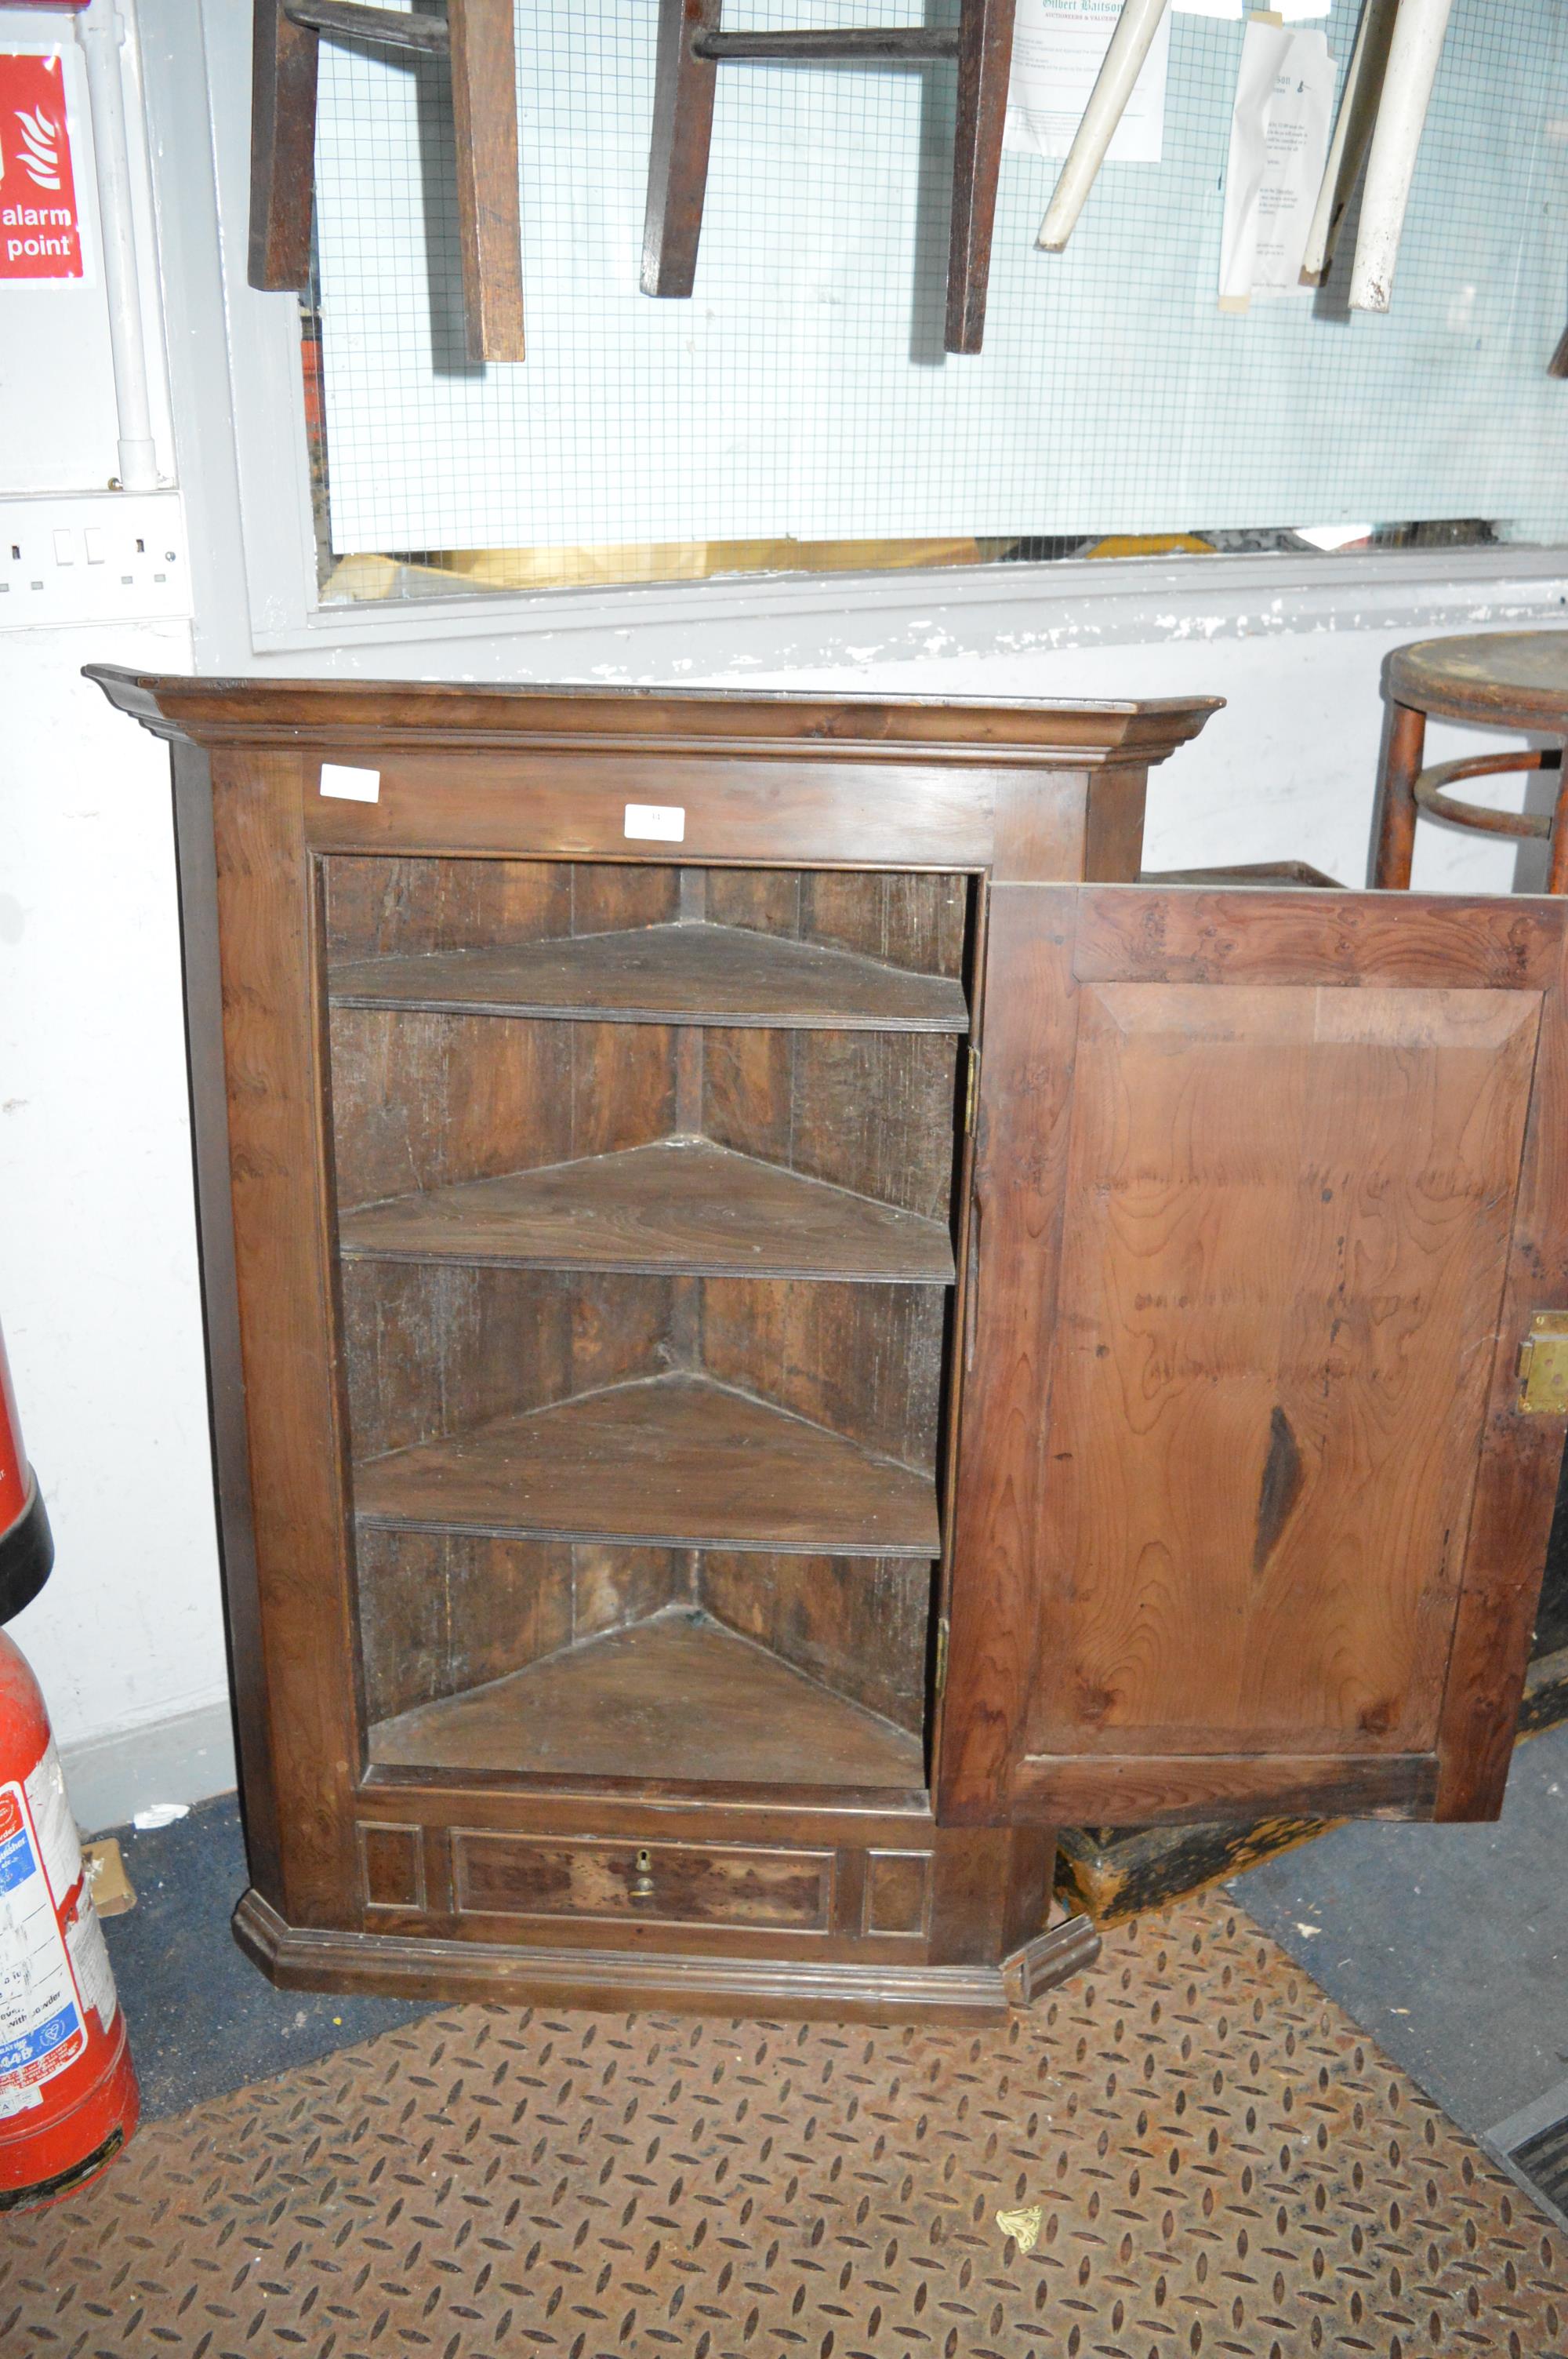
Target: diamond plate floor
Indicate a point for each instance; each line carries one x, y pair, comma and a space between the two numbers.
1222, 2164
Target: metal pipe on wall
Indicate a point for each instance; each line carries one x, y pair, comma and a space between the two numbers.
1414, 53
101, 31
1130, 45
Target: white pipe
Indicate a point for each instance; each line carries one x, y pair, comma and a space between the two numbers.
1123, 62
1352, 130
1413, 54
101, 30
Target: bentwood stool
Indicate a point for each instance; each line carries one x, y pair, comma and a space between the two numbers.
1511, 680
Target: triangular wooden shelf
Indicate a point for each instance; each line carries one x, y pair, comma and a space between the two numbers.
693, 973
677, 1697
680, 1204
672, 1461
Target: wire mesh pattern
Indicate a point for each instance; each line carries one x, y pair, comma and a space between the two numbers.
803, 394
1220, 2161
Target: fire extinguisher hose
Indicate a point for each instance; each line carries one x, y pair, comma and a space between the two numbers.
27, 1554
26, 1544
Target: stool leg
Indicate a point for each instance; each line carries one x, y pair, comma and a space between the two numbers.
1396, 813
283, 148
1557, 882
490, 229
984, 55
678, 162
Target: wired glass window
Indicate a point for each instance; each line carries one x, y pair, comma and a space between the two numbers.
799, 414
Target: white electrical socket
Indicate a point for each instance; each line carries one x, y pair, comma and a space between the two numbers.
92, 557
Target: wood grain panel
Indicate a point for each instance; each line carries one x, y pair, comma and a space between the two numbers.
572, 803
861, 1629
606, 898
1210, 1786
1231, 1516
378, 907
197, 878
426, 1101
269, 934
866, 1361
443, 1611
433, 1349
393, 1866
680, 1204
1019, 1162
1131, 934
871, 1112
683, 1883
1521, 1455
897, 1892
1287, 1224
676, 1461
663, 975
673, 1699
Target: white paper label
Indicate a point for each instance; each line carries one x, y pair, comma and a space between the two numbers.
1058, 49
42, 2029
60, 1846
657, 822
349, 785
90, 1957
1279, 141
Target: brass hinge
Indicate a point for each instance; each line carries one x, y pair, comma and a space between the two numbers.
1544, 1365
941, 1654
971, 1090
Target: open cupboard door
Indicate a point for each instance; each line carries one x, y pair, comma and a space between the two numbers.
1251, 1504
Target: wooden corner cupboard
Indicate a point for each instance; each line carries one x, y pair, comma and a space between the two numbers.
781, 1324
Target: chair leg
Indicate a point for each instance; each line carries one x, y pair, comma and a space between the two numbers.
283, 149
985, 55
1557, 881
490, 229
1395, 803
677, 163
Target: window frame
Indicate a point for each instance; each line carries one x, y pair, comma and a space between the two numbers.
239, 403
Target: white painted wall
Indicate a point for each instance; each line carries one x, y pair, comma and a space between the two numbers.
98, 1292
98, 1281
98, 1276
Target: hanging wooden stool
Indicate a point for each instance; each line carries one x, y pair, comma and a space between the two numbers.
692, 45
477, 36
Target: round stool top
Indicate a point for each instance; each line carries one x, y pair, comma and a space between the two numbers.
1514, 679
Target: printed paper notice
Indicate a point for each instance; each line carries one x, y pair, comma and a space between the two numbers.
1058, 47
1279, 141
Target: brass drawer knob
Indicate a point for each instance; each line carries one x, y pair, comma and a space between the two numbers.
643, 1876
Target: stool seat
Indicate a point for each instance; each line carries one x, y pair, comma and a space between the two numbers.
1517, 679
1505, 680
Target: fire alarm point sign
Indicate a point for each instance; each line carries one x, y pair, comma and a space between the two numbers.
40, 233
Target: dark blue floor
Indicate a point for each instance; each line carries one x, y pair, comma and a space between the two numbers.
202, 2020
1448, 1944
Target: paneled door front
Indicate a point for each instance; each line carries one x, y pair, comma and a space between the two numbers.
1250, 1512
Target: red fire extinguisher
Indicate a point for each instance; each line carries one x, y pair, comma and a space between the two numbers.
69, 2099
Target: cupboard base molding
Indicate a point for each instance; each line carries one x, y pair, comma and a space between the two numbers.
397, 1965
1050, 1959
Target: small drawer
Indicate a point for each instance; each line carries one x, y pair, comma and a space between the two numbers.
681, 1883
